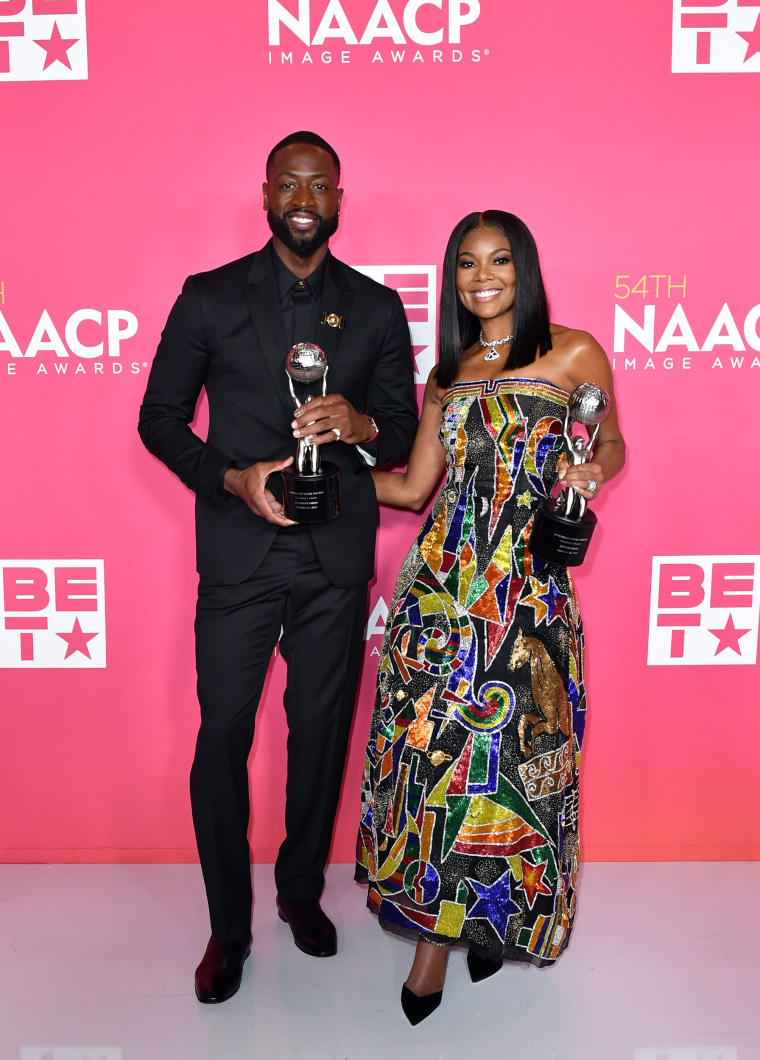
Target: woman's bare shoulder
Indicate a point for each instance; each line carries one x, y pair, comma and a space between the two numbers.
573, 340
580, 355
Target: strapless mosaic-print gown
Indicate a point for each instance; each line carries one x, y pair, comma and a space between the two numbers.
469, 821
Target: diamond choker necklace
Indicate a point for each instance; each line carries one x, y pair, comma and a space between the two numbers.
493, 353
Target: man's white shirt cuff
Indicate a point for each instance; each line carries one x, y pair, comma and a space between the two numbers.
368, 459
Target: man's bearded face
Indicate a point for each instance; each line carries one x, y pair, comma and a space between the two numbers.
302, 198
303, 243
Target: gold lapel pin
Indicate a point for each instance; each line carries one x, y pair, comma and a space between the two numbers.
333, 320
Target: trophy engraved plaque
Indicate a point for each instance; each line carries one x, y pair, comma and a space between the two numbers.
310, 488
563, 526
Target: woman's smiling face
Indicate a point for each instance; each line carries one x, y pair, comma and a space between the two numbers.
486, 275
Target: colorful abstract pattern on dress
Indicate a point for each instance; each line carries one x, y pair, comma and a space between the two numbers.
469, 822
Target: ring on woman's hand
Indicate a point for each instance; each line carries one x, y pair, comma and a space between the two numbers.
591, 485
336, 432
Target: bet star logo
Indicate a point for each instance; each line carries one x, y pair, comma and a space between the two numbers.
704, 610
53, 614
43, 40
716, 37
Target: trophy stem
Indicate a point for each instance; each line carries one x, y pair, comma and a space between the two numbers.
310, 488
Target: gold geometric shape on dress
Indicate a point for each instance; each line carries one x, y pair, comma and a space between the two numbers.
450, 919
437, 758
537, 590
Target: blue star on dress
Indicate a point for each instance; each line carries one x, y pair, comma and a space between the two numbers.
494, 903
555, 603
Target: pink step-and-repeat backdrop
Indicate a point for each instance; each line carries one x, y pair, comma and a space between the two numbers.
134, 137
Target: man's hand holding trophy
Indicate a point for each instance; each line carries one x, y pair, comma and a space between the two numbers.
310, 488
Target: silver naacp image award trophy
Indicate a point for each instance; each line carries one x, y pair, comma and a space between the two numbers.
310, 489
562, 527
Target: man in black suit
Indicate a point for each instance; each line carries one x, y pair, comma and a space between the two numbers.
229, 332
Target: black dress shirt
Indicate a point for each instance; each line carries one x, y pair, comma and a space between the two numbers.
299, 301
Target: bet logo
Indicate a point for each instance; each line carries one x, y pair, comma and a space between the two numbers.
716, 36
704, 611
415, 285
53, 614
43, 40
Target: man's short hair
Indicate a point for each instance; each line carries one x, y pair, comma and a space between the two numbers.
303, 137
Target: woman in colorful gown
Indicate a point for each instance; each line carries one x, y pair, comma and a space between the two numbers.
469, 827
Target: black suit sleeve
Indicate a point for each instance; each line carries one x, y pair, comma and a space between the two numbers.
390, 393
176, 378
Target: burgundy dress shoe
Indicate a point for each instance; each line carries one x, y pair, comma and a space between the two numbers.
312, 931
218, 975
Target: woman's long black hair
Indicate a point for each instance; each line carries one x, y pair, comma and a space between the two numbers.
458, 328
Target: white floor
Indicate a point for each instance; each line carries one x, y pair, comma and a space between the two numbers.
96, 963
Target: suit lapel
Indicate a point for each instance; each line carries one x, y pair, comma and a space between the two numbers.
337, 297
261, 295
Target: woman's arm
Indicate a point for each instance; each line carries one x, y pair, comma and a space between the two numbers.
587, 363
410, 489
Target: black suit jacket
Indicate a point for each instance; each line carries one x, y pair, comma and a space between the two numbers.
225, 333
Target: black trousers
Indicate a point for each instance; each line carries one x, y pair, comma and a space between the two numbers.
236, 628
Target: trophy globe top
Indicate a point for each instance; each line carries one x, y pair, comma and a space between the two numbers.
306, 362
589, 403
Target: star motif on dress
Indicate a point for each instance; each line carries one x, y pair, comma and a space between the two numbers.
752, 38
532, 882
525, 499
536, 599
729, 636
494, 903
57, 48
555, 603
77, 640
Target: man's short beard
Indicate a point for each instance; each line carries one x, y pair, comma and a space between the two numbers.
302, 244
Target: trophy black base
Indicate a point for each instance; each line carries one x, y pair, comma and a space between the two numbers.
311, 497
557, 539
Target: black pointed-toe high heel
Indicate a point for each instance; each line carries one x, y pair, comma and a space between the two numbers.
481, 968
416, 1008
